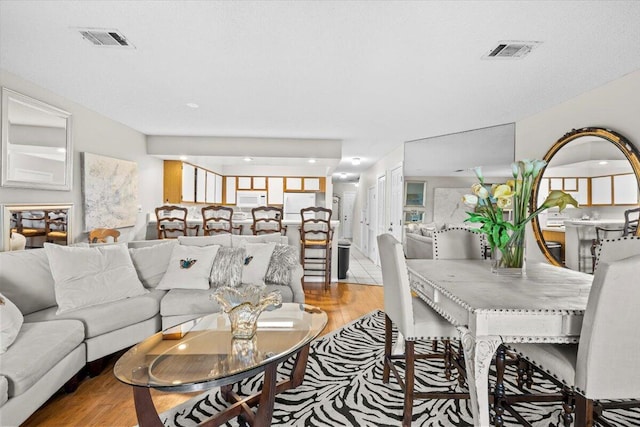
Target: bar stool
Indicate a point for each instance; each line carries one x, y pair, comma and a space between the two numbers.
217, 219
172, 220
100, 235
316, 237
266, 219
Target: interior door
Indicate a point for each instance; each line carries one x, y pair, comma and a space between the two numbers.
381, 201
372, 207
348, 203
395, 205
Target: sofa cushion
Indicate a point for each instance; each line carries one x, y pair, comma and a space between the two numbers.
197, 301
239, 240
91, 276
10, 322
217, 239
38, 348
227, 267
25, 278
104, 318
189, 267
283, 260
151, 262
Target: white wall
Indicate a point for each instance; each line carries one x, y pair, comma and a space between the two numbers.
614, 106
94, 133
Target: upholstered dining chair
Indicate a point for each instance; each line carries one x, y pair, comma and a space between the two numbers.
603, 366
458, 243
217, 219
415, 320
101, 235
266, 219
171, 221
603, 233
615, 249
316, 239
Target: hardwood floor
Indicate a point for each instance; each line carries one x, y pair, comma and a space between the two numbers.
104, 401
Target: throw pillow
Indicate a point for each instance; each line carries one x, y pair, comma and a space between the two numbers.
283, 260
189, 267
10, 323
227, 267
91, 276
218, 239
151, 262
256, 262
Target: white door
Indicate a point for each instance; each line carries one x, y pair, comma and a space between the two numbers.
381, 201
346, 219
395, 205
371, 223
364, 231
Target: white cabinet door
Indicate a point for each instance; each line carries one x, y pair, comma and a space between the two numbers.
218, 186
275, 194
601, 190
293, 184
230, 196
201, 185
211, 188
188, 183
543, 191
582, 196
259, 183
625, 189
311, 184
556, 183
244, 183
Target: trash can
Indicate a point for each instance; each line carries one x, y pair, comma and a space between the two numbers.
343, 258
555, 248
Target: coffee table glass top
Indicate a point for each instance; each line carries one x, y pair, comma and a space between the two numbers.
201, 353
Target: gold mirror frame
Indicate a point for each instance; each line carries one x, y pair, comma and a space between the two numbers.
628, 149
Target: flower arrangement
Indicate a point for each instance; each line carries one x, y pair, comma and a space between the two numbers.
506, 238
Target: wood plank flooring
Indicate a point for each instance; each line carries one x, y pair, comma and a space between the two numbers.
104, 401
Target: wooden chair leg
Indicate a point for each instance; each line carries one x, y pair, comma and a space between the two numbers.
568, 402
409, 357
584, 411
387, 349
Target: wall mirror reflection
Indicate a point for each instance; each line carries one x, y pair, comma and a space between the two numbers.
601, 170
30, 226
36, 144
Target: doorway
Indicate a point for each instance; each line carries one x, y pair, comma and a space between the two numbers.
395, 208
346, 217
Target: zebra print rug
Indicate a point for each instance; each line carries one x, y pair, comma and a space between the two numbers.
343, 387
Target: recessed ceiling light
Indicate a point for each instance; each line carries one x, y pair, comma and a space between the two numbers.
355, 161
183, 157
312, 160
604, 162
192, 105
247, 159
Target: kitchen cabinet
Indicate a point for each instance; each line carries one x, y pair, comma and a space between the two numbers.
211, 188
625, 189
244, 183
601, 187
275, 191
292, 184
201, 185
311, 184
188, 183
218, 185
230, 190
259, 183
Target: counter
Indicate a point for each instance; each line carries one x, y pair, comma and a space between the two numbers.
292, 227
579, 237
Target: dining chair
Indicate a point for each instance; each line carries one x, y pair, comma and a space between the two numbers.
416, 321
266, 219
171, 221
603, 366
316, 239
458, 243
55, 225
631, 219
217, 219
101, 235
614, 249
603, 233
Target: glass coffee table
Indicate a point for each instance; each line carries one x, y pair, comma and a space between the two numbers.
201, 354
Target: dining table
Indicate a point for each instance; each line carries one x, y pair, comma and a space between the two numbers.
545, 304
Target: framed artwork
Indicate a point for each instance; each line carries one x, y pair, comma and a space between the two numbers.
414, 194
110, 192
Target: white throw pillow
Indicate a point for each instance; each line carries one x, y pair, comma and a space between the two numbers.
189, 267
151, 262
91, 276
256, 262
216, 239
10, 323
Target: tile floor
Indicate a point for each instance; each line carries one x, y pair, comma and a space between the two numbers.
362, 270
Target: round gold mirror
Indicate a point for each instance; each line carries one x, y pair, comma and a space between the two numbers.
601, 170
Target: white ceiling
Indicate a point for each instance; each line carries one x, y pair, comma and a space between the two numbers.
372, 74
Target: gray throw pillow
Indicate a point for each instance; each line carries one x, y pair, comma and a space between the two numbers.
227, 267
283, 260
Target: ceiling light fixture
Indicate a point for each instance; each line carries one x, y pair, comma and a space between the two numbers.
183, 158
343, 175
603, 162
355, 161
248, 159
312, 160
192, 105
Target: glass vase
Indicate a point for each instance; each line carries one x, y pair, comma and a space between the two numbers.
509, 260
244, 306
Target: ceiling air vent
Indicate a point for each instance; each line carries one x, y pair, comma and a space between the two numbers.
511, 50
105, 38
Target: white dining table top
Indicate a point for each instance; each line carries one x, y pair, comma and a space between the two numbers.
544, 288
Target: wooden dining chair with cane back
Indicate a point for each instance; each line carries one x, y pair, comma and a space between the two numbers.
415, 321
171, 222
316, 238
102, 235
266, 219
55, 224
217, 219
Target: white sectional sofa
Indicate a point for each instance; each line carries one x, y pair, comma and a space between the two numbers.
50, 348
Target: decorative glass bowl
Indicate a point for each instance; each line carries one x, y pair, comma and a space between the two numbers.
244, 306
